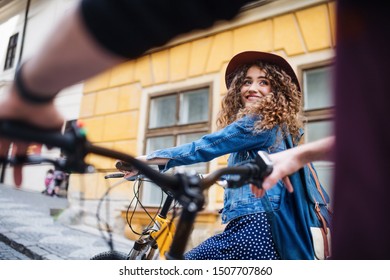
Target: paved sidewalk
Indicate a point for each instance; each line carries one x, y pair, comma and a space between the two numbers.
27, 226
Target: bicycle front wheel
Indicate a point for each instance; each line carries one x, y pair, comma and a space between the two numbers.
110, 255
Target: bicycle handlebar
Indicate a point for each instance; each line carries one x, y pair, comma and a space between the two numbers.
187, 189
76, 147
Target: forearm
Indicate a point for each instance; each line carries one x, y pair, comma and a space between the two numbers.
67, 57
154, 161
291, 160
315, 151
98, 35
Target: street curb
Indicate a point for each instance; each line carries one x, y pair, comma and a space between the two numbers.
20, 248
47, 232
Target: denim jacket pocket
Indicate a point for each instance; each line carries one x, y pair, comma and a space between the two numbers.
239, 202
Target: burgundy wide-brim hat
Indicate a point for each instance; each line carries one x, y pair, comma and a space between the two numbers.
251, 56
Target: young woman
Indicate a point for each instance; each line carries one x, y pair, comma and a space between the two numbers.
261, 108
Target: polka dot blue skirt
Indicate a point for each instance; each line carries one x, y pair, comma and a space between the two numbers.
245, 238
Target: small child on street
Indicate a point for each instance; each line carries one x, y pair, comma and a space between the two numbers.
48, 181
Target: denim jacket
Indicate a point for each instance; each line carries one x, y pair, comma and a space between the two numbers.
240, 141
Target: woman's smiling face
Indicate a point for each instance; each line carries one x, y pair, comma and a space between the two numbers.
255, 86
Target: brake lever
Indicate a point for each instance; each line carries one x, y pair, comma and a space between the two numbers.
114, 175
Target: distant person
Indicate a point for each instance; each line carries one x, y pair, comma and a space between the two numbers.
59, 179
48, 180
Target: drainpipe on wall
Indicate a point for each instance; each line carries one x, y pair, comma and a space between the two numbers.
24, 31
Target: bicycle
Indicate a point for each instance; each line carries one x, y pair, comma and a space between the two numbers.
186, 188
155, 239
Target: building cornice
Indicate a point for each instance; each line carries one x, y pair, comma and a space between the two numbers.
249, 14
10, 8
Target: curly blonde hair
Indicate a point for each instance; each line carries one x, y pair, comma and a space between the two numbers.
282, 107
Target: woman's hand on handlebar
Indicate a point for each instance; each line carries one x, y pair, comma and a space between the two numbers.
127, 169
129, 174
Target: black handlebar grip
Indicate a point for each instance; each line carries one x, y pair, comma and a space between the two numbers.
22, 131
124, 166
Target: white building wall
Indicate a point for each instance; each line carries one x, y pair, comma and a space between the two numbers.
43, 16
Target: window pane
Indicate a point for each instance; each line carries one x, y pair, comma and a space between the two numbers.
151, 193
162, 111
325, 171
157, 143
187, 138
318, 88
317, 130
194, 106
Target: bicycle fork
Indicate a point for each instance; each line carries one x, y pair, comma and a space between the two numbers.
158, 239
144, 249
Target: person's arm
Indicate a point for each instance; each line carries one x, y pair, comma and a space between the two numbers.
130, 171
291, 160
98, 34
62, 62
237, 136
76, 50
71, 56
154, 161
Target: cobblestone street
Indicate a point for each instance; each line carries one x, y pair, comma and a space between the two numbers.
29, 231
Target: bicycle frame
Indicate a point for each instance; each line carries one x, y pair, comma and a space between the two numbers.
157, 238
164, 236
154, 241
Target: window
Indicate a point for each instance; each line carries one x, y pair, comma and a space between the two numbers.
175, 119
11, 51
179, 109
317, 87
318, 109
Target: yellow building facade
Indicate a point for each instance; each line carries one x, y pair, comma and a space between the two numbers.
115, 103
